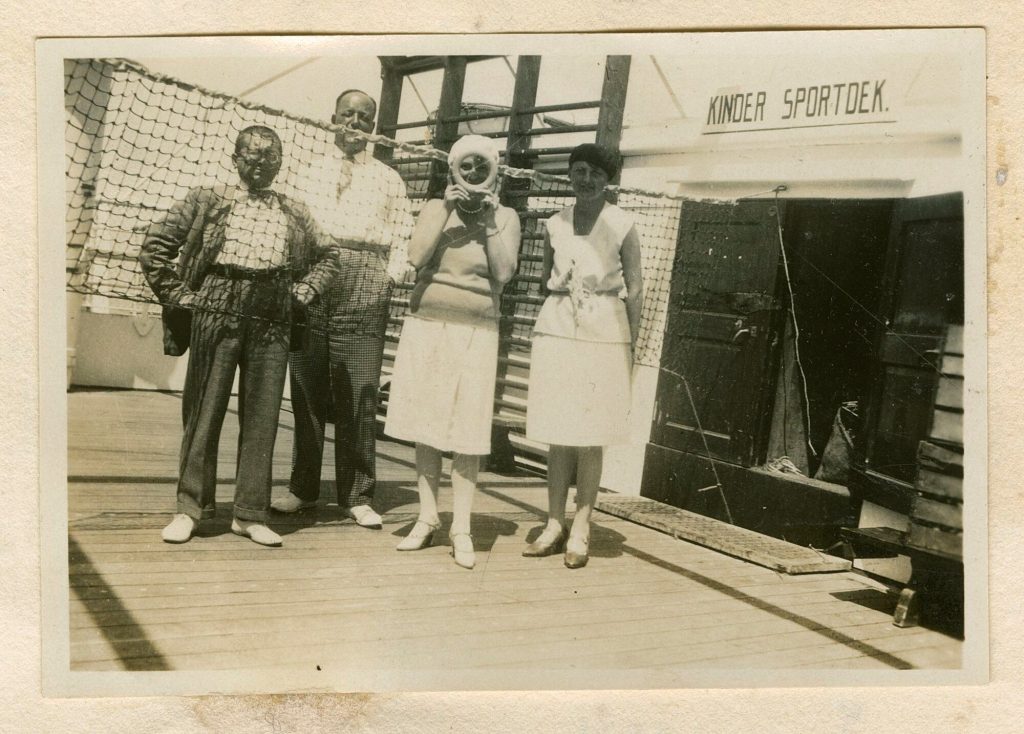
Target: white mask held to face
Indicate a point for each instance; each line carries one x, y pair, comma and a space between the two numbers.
473, 163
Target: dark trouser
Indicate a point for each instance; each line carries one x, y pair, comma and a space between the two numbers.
339, 362
223, 341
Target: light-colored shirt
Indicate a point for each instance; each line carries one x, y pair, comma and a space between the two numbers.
455, 284
363, 200
255, 233
586, 281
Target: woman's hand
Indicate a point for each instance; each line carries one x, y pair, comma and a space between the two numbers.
454, 194
486, 201
490, 205
490, 202
632, 274
429, 226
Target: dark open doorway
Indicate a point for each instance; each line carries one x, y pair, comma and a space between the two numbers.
873, 281
836, 253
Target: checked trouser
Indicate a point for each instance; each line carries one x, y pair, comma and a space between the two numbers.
335, 372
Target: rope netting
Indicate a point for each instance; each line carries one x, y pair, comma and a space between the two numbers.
145, 152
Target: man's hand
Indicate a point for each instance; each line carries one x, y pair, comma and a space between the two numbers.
303, 294
187, 299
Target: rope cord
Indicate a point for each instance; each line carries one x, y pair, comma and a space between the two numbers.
704, 439
796, 326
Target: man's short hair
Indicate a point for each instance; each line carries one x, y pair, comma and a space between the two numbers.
261, 130
355, 91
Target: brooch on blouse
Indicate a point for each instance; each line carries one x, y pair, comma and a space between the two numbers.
579, 294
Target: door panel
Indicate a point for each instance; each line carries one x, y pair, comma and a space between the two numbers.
721, 332
923, 294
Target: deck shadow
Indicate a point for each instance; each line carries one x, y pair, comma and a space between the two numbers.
389, 494
604, 542
874, 599
281, 524
938, 613
133, 649
811, 625
487, 528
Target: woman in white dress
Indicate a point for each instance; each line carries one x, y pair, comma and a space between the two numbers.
464, 248
581, 360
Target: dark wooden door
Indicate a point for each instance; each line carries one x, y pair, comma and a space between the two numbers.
923, 292
721, 336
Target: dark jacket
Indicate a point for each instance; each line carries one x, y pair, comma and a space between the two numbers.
180, 249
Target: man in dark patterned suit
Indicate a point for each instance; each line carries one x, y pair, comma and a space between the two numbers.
230, 263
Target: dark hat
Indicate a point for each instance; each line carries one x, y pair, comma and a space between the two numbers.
598, 156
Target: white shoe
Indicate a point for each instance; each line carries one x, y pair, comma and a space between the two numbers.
462, 549
420, 537
179, 530
364, 516
290, 503
257, 532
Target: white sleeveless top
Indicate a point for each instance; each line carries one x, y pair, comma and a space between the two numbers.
586, 280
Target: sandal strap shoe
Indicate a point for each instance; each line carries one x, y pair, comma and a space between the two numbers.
418, 540
463, 557
543, 547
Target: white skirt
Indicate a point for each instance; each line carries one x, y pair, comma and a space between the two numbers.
580, 392
442, 389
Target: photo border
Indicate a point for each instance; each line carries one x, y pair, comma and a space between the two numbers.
58, 680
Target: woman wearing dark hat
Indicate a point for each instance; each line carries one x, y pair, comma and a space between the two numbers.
581, 361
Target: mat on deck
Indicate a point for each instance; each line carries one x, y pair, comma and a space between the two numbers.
763, 550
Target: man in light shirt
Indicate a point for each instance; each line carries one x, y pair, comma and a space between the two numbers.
362, 204
229, 263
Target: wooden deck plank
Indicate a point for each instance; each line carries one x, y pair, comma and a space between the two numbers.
800, 649
510, 619
521, 582
535, 585
583, 645
629, 605
718, 641
339, 603
286, 563
736, 541
720, 647
339, 595
666, 604
344, 597
477, 642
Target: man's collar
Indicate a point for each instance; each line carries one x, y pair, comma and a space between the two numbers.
360, 157
243, 193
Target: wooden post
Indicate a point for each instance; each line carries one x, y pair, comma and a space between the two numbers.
446, 132
387, 109
524, 97
613, 103
515, 194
